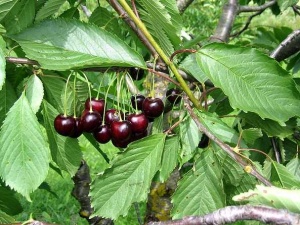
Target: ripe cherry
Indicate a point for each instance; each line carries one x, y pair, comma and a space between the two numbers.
203, 142
139, 122
64, 125
137, 136
136, 73
77, 128
102, 135
91, 121
119, 143
173, 95
97, 105
121, 130
153, 107
111, 115
137, 101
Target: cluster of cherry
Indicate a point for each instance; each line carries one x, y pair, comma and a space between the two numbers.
118, 127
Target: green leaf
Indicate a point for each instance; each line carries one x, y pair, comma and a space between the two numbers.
272, 196
129, 178
63, 44
200, 191
251, 135
6, 6
20, 16
2, 68
169, 158
8, 202
284, 4
281, 176
4, 218
65, 151
294, 167
251, 80
7, 99
24, 161
190, 65
34, 92
190, 137
48, 9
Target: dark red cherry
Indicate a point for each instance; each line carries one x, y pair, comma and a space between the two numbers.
97, 105
203, 142
121, 130
139, 122
102, 135
137, 101
111, 115
91, 121
137, 136
136, 73
119, 143
153, 107
77, 129
64, 125
173, 95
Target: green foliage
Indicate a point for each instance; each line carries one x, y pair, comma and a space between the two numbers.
48, 9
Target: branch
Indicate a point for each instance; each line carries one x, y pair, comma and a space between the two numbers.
287, 47
246, 8
226, 21
183, 4
224, 146
232, 214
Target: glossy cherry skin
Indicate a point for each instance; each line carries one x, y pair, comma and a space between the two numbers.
173, 95
91, 121
77, 129
120, 144
97, 105
139, 122
153, 107
203, 142
136, 73
121, 130
64, 125
103, 135
111, 115
137, 136
137, 101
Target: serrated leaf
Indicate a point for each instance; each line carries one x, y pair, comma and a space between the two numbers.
190, 137
20, 16
200, 191
34, 92
190, 65
251, 80
281, 176
272, 196
48, 9
2, 68
7, 99
169, 158
6, 6
63, 44
129, 178
65, 151
4, 218
250, 135
294, 167
8, 202
284, 4
24, 161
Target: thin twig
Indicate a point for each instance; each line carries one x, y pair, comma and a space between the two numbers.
86, 11
276, 151
16, 60
135, 9
181, 51
246, 8
183, 4
296, 10
231, 214
165, 76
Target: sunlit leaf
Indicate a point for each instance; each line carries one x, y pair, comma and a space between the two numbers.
34, 92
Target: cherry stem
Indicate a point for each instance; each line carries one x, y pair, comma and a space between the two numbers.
181, 51
131, 80
74, 87
89, 87
173, 126
65, 97
257, 150
105, 98
163, 75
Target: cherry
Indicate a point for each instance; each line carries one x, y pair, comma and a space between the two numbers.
139, 122
153, 107
136, 73
111, 115
77, 128
137, 136
137, 101
97, 105
203, 142
64, 125
121, 130
102, 135
173, 95
91, 121
120, 144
